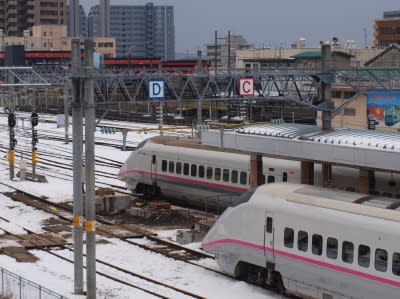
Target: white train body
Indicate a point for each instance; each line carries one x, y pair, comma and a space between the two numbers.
153, 168
313, 241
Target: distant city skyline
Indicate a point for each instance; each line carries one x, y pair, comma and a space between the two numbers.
273, 23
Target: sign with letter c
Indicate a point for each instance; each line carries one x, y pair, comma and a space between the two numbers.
246, 87
156, 89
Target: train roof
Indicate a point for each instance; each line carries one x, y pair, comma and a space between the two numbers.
189, 143
333, 199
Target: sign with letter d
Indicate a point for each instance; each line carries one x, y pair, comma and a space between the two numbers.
246, 87
156, 89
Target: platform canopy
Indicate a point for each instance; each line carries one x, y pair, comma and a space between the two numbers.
376, 150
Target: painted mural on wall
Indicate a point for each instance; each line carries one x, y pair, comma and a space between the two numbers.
384, 108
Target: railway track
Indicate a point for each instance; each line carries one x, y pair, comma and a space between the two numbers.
64, 212
165, 288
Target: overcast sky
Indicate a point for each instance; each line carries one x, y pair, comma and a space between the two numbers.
272, 23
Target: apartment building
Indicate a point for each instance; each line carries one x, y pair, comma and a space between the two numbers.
140, 30
19, 15
387, 29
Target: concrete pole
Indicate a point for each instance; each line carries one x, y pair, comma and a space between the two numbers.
161, 118
74, 18
90, 126
77, 141
66, 114
326, 66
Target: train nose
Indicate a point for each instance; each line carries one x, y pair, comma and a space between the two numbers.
123, 171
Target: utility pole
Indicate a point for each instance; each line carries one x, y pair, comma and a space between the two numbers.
77, 142
216, 53
90, 126
11, 124
326, 68
66, 114
229, 52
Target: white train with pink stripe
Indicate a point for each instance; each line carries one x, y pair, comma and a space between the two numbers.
185, 171
311, 242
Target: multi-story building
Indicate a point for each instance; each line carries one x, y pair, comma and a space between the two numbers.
223, 52
283, 57
54, 38
387, 30
140, 30
19, 15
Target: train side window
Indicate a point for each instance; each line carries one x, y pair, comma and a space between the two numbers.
243, 177
193, 170
271, 179
302, 241
317, 244
347, 252
288, 237
186, 168
381, 258
209, 172
332, 248
178, 167
217, 174
364, 254
201, 171
234, 176
164, 165
225, 175
284, 177
396, 264
171, 166
153, 159
269, 224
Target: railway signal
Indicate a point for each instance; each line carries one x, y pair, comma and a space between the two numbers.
35, 140
13, 142
34, 119
11, 120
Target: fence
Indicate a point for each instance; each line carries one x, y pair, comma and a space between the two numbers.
16, 287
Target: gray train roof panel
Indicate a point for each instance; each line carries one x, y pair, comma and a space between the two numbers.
378, 150
341, 136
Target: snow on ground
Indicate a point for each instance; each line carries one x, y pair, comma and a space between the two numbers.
57, 275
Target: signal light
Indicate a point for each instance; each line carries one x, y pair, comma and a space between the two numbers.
34, 119
11, 120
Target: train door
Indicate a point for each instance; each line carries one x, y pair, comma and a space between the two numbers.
269, 237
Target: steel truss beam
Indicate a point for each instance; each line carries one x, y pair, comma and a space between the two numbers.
29, 77
298, 85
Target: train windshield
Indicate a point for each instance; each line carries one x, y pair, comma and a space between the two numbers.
141, 144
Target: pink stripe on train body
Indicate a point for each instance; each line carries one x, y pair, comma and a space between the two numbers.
183, 179
304, 259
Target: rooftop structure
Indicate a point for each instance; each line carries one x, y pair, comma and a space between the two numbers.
225, 49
